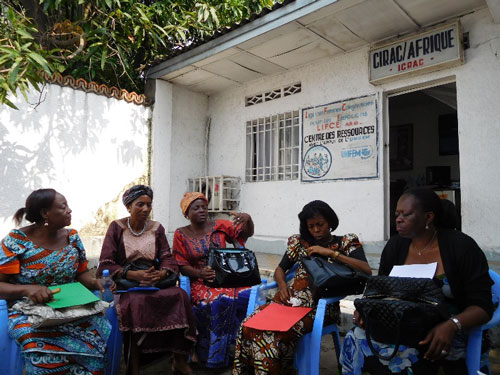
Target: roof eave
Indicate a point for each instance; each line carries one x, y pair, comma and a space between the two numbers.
270, 21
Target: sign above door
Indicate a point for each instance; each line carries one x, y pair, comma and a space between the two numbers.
432, 50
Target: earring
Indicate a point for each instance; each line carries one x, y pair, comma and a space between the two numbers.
427, 226
45, 224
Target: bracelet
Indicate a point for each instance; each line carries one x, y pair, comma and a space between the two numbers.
336, 254
457, 323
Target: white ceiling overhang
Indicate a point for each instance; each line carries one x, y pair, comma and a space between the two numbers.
302, 32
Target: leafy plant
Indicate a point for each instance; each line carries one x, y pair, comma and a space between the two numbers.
108, 41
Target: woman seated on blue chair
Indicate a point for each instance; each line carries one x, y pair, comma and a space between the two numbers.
317, 222
462, 272
39, 255
136, 251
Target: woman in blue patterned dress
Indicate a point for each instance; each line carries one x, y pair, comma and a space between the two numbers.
39, 255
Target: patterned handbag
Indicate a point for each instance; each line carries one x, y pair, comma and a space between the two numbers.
234, 267
400, 310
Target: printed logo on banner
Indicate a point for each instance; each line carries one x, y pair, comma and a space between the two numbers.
363, 153
317, 161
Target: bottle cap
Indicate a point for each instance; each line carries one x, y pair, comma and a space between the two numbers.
105, 273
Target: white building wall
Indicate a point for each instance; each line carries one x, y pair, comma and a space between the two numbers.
360, 204
274, 205
179, 122
86, 146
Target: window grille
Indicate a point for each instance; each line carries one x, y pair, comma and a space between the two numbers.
272, 148
292, 89
273, 94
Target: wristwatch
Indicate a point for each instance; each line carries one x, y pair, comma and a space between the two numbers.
457, 323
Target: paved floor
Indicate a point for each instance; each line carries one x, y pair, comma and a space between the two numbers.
328, 362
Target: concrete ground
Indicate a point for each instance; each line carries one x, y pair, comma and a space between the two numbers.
328, 361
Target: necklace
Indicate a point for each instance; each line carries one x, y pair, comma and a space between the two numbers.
426, 246
131, 230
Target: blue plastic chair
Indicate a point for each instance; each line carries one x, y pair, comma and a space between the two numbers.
185, 284
11, 359
307, 355
476, 334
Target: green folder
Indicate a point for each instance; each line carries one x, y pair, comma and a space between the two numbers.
72, 294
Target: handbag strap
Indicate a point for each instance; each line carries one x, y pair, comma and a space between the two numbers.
376, 353
372, 348
213, 245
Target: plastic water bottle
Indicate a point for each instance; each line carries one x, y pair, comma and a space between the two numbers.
106, 282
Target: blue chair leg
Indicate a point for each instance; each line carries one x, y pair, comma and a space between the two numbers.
474, 350
115, 340
315, 345
302, 355
11, 359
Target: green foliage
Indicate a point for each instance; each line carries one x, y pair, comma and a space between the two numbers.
22, 60
108, 41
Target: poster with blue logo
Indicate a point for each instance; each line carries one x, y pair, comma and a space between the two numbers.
340, 140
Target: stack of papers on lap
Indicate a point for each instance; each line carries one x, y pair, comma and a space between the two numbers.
72, 294
425, 271
276, 317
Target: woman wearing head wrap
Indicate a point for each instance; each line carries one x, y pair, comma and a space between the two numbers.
154, 321
271, 352
218, 311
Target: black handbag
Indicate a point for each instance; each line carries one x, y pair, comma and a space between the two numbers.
234, 267
400, 310
125, 284
332, 278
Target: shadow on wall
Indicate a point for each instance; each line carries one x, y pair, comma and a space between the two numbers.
108, 212
35, 138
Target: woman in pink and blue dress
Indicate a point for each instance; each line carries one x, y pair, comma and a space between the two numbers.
35, 257
218, 311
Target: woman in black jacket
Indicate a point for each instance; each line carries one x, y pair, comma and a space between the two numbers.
462, 274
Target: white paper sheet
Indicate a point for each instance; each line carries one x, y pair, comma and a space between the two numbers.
426, 271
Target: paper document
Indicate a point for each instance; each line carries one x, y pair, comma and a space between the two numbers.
425, 271
276, 317
72, 294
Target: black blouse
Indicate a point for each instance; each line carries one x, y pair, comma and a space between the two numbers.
464, 263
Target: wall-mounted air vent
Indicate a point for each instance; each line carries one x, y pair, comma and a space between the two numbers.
273, 94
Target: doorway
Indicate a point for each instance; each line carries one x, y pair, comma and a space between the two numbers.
423, 146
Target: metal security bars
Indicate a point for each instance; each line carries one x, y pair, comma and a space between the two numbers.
272, 151
222, 192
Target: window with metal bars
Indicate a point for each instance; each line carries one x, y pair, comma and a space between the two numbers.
273, 148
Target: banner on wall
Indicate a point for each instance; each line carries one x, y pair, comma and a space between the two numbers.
340, 140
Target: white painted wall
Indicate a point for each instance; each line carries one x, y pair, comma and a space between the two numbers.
360, 204
274, 205
179, 120
86, 146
